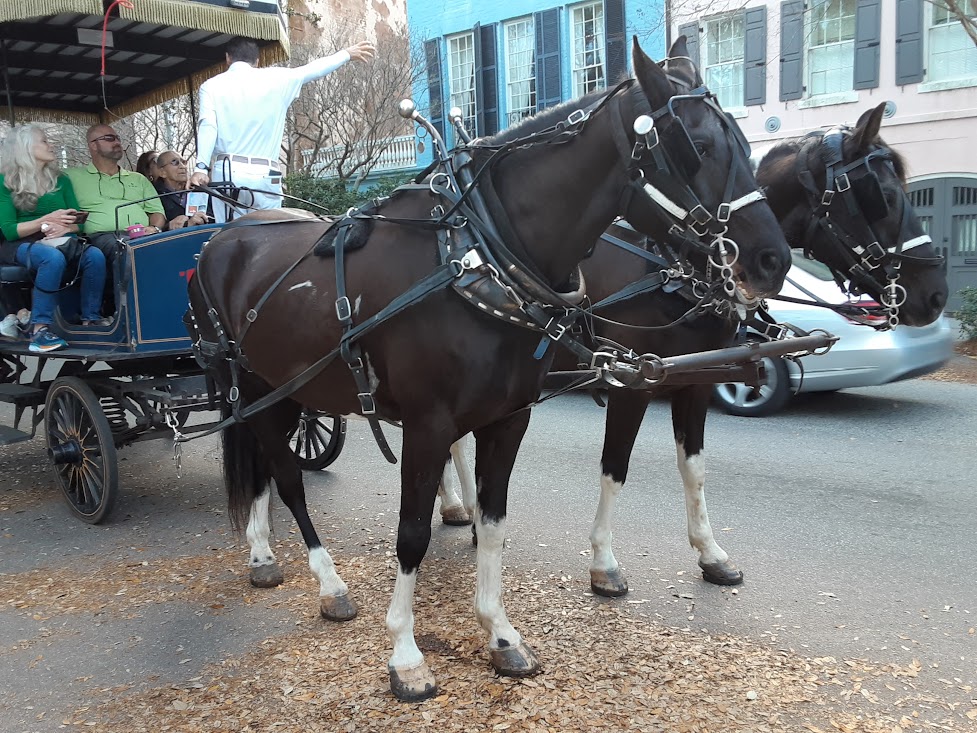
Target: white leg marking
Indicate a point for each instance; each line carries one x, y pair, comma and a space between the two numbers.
446, 490
259, 531
488, 594
306, 284
603, 559
693, 470
466, 475
323, 568
400, 623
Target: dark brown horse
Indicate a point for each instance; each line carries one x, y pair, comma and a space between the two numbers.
883, 215
444, 368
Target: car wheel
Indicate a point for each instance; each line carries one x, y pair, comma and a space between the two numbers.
739, 399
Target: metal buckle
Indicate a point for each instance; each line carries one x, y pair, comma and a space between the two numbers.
367, 403
652, 135
842, 183
826, 197
343, 309
724, 212
577, 116
555, 332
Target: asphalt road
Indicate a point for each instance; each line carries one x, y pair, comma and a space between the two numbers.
852, 515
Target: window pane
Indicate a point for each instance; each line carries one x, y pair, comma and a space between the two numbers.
587, 39
723, 68
461, 77
831, 51
952, 55
520, 57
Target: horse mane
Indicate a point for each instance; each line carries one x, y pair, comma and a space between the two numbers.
780, 156
544, 119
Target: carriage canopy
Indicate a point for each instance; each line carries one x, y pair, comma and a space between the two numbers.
52, 52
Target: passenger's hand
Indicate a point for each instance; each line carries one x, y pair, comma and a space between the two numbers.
197, 219
56, 230
61, 217
362, 51
178, 222
199, 178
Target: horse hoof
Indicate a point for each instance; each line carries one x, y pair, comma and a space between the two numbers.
413, 685
474, 536
266, 576
337, 608
515, 661
456, 517
721, 573
609, 583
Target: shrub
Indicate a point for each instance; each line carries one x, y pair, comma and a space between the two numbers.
333, 195
967, 313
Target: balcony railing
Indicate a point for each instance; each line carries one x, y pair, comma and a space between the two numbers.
400, 153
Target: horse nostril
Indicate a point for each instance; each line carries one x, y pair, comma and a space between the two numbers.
771, 264
938, 300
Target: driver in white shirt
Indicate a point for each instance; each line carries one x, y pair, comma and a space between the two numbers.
242, 121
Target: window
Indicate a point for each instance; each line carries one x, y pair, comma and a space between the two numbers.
723, 64
461, 77
520, 69
831, 49
952, 55
587, 47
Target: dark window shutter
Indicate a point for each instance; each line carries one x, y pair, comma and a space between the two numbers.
868, 34
548, 69
755, 56
691, 33
909, 41
791, 50
486, 80
615, 47
432, 57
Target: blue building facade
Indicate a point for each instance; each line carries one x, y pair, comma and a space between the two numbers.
501, 61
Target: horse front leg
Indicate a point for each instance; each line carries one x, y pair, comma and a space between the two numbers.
495, 455
455, 511
271, 428
689, 407
625, 411
422, 462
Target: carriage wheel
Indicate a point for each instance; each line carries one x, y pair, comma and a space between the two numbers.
322, 441
82, 449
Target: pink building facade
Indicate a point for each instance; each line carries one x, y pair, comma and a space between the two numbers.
786, 68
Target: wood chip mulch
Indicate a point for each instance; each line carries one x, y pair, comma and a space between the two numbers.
606, 666
961, 368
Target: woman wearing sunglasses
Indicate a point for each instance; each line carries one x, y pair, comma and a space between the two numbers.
38, 208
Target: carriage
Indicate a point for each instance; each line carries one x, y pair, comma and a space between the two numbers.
135, 379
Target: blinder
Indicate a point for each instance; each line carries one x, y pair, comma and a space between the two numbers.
870, 197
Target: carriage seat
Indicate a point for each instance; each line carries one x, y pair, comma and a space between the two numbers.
14, 275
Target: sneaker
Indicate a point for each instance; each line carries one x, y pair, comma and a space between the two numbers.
10, 327
44, 340
24, 316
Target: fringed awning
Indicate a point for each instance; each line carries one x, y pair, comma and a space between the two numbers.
25, 9
60, 117
189, 14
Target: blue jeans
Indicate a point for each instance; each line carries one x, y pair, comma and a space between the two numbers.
47, 264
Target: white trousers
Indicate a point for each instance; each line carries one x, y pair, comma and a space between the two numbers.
266, 184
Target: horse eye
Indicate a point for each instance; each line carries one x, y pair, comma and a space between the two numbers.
701, 149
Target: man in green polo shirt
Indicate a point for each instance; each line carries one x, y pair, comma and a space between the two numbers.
102, 187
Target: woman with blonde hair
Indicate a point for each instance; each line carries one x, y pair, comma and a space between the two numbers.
38, 208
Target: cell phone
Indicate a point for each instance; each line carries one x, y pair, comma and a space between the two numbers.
80, 217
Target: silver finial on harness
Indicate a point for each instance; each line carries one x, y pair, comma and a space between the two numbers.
407, 109
454, 115
643, 125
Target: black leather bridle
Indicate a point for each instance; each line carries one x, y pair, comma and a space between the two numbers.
869, 266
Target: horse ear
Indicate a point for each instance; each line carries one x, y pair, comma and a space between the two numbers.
680, 65
651, 77
867, 128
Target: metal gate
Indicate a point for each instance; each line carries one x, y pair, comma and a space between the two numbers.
947, 209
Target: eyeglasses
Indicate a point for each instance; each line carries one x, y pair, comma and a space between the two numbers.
106, 138
175, 161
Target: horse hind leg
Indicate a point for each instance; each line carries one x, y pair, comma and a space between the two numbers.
263, 568
689, 408
455, 511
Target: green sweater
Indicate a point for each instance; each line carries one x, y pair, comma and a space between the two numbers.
62, 197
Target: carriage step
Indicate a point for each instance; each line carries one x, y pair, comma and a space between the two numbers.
21, 394
9, 436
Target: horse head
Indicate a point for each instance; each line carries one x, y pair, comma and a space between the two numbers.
841, 196
693, 180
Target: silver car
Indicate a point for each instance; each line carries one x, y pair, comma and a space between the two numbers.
862, 357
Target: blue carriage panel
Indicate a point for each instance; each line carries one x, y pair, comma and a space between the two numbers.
160, 267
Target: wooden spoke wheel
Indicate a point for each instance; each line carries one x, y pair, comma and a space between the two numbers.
317, 439
82, 449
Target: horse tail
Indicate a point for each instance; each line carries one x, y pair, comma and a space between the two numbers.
246, 469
